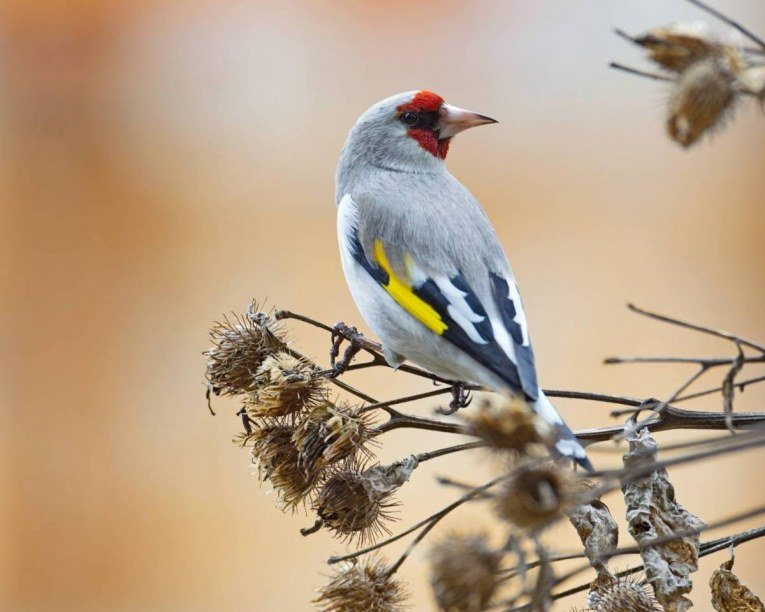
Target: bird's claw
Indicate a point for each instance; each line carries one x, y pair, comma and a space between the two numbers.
461, 398
356, 342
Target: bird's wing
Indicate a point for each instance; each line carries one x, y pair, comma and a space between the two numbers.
479, 310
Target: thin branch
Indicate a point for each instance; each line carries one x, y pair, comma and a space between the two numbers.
642, 73
448, 450
699, 328
734, 24
741, 386
404, 400
399, 420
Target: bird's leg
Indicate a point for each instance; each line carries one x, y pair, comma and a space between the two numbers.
356, 342
460, 399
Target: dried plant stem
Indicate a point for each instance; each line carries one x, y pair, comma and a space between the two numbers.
699, 328
741, 385
649, 75
448, 451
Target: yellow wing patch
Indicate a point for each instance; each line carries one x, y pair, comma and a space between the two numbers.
404, 296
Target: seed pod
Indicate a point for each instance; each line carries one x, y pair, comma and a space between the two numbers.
703, 96
676, 47
537, 496
240, 346
331, 433
363, 586
464, 573
276, 459
624, 594
285, 385
356, 504
509, 426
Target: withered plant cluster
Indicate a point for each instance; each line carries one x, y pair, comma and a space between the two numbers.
710, 76
317, 451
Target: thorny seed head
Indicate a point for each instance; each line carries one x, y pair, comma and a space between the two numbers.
609, 593
702, 97
537, 496
331, 433
276, 458
239, 348
676, 47
363, 586
509, 425
285, 385
463, 573
356, 504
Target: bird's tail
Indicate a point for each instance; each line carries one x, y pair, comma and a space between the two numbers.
566, 445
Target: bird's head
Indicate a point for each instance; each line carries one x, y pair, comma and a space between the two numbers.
409, 131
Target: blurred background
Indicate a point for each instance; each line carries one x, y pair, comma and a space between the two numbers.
163, 162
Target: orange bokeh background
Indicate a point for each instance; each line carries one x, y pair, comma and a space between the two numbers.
162, 163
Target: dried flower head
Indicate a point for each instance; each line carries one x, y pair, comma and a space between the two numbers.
509, 425
363, 586
535, 497
677, 46
240, 346
703, 96
729, 594
276, 457
356, 504
285, 385
609, 593
463, 572
331, 433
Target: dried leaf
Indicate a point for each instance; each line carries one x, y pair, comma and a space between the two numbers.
652, 513
597, 529
729, 595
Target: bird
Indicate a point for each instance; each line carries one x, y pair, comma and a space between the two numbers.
422, 260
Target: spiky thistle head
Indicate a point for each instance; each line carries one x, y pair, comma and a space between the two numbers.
356, 503
675, 47
702, 97
239, 347
330, 433
464, 572
276, 459
535, 497
509, 425
609, 593
285, 385
361, 586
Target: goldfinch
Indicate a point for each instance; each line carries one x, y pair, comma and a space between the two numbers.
422, 260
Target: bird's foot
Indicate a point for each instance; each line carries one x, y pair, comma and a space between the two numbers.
356, 343
461, 398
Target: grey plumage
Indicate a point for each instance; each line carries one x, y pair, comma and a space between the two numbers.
434, 234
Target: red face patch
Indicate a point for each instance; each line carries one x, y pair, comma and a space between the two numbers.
423, 100
426, 102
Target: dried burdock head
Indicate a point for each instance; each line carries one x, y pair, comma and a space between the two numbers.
509, 425
535, 497
703, 96
729, 594
362, 586
284, 385
276, 458
240, 346
609, 593
464, 572
676, 47
331, 433
356, 504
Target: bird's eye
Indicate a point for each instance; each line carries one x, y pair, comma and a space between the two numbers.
409, 118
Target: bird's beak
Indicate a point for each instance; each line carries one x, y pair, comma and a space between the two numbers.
455, 120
